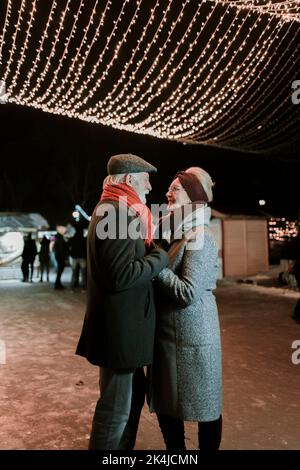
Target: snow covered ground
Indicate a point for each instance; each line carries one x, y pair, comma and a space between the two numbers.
47, 394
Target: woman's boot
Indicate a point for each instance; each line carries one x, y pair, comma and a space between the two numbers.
210, 434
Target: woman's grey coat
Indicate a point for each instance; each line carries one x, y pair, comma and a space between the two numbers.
186, 374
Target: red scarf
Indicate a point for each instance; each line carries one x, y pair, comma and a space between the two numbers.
132, 201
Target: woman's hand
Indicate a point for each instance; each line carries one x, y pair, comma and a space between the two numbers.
192, 234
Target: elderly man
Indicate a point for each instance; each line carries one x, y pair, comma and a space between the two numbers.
118, 329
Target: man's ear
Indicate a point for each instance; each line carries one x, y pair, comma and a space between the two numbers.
128, 179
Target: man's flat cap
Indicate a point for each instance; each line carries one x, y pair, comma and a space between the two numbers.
128, 163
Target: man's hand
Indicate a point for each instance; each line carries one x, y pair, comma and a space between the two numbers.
174, 251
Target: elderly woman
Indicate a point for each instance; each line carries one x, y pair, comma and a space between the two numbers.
186, 374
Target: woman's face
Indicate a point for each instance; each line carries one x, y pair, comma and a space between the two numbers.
176, 196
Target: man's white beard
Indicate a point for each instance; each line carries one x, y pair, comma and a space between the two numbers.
143, 198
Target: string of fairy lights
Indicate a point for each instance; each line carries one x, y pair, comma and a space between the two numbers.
215, 71
281, 229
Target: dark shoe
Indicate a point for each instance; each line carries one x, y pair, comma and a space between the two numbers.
59, 287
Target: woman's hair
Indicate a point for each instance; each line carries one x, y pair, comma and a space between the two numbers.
205, 180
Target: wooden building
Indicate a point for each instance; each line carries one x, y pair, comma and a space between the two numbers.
243, 244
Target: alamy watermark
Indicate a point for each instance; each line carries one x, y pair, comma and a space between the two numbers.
120, 222
295, 358
3, 94
296, 93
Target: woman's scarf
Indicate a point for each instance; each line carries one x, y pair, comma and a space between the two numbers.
182, 220
126, 196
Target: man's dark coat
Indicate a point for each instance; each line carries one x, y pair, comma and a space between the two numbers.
118, 329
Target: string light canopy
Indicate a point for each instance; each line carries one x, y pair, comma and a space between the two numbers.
213, 72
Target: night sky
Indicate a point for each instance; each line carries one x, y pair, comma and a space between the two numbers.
49, 163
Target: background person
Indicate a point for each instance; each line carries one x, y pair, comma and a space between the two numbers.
77, 251
60, 250
44, 258
28, 257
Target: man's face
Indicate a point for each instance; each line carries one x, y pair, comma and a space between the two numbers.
61, 229
176, 196
141, 184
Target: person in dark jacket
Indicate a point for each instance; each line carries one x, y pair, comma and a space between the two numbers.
118, 329
60, 249
296, 269
44, 258
28, 257
77, 251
